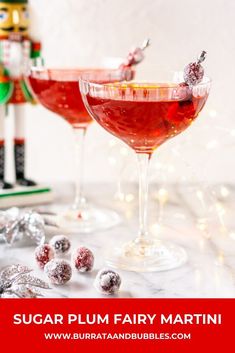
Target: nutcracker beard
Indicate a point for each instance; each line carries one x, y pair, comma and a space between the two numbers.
19, 148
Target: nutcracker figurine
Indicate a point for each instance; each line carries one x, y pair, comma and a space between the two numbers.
16, 48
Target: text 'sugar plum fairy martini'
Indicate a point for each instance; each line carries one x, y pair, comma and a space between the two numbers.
144, 115
58, 91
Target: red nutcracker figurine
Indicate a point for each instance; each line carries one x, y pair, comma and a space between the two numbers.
16, 48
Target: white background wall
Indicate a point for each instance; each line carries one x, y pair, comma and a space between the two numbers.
78, 32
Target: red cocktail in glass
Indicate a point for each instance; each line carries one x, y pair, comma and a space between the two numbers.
58, 91
140, 118
144, 115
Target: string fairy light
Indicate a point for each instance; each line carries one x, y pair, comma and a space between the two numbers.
224, 191
162, 195
212, 113
220, 257
232, 235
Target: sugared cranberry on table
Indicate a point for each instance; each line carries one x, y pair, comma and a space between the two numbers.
61, 244
107, 282
58, 271
43, 254
83, 259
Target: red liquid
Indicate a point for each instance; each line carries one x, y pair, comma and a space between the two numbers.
144, 125
63, 98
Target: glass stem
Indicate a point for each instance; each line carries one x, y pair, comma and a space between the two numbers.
143, 164
79, 147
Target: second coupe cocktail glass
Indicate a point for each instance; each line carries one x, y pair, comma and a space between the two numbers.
58, 91
145, 114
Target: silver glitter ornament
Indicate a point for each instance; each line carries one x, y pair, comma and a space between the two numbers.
9, 228
14, 225
32, 225
17, 282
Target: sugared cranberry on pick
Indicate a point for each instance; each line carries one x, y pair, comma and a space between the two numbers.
136, 55
183, 91
194, 72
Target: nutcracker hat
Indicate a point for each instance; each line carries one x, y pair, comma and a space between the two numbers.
14, 1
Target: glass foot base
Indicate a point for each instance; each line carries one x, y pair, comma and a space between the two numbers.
88, 220
147, 256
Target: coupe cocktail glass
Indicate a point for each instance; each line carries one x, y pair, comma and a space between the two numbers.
144, 115
58, 91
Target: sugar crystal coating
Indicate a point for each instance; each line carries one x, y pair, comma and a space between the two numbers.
58, 271
107, 282
193, 73
43, 254
135, 56
61, 244
183, 91
83, 259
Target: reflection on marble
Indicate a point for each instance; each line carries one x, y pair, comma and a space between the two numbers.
209, 272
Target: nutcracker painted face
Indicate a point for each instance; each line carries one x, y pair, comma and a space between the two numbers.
14, 17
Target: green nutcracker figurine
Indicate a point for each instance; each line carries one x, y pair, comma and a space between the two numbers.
16, 48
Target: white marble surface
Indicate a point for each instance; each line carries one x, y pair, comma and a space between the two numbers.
209, 272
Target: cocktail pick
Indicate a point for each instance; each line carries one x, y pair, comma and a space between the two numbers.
16, 281
194, 72
136, 55
202, 57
